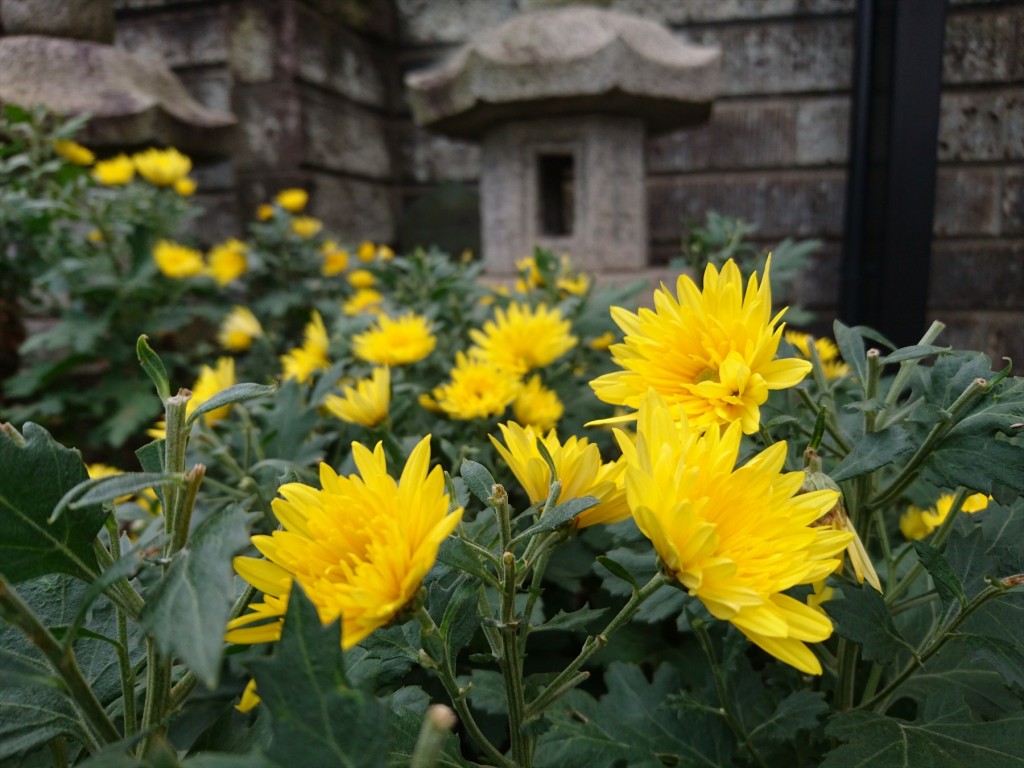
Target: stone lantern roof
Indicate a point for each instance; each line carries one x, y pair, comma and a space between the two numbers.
568, 61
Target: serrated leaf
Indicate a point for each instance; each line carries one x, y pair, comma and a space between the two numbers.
478, 480
557, 517
800, 711
947, 583
457, 554
408, 707
237, 393
952, 740
29, 717
863, 617
37, 472
187, 610
873, 450
851, 346
313, 711
487, 692
579, 619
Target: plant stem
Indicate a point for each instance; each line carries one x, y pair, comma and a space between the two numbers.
158, 683
124, 661
437, 724
723, 700
61, 658
174, 459
907, 367
183, 518
571, 676
511, 663
846, 661
830, 425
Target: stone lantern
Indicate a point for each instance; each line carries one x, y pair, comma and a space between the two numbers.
561, 101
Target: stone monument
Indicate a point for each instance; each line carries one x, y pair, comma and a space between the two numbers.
561, 101
58, 53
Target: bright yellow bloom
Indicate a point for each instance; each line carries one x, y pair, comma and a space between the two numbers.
73, 152
210, 382
97, 471
828, 353
185, 187
366, 251
477, 389
577, 286
264, 212
306, 226
249, 697
537, 406
835, 369
709, 354
238, 329
602, 342
400, 341
736, 538
366, 403
428, 402
523, 338
114, 172
227, 261
162, 167
95, 237
577, 465
292, 200
359, 546
530, 276
385, 253
916, 523
177, 261
302, 362
363, 301
335, 259
361, 278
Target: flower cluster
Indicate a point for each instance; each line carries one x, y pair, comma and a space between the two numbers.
224, 263
917, 523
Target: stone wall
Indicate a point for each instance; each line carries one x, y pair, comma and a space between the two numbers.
317, 87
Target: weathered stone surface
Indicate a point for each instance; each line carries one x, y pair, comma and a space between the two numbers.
967, 201
185, 38
1012, 202
785, 204
354, 210
453, 21
740, 134
374, 17
270, 128
691, 11
445, 216
341, 136
982, 125
567, 61
817, 286
609, 227
794, 57
216, 175
219, 219
429, 158
981, 45
336, 59
252, 44
997, 334
210, 87
75, 19
134, 100
822, 131
963, 276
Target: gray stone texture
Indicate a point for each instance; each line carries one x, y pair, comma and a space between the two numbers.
998, 334
73, 19
982, 125
428, 158
691, 11
187, 38
341, 136
1012, 202
963, 275
967, 201
432, 22
983, 45
353, 208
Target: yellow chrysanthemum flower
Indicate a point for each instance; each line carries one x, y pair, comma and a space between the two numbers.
477, 389
361, 278
828, 352
385, 253
736, 538
363, 301
399, 341
529, 273
185, 187
916, 523
523, 338
366, 251
366, 403
162, 167
335, 259
210, 382
602, 342
537, 406
577, 286
114, 172
292, 200
177, 261
359, 546
302, 362
835, 369
73, 152
238, 329
227, 261
264, 212
578, 466
710, 353
306, 226
97, 471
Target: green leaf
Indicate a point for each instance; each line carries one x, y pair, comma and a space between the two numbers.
153, 366
915, 352
851, 346
102, 489
478, 480
237, 393
187, 610
800, 711
578, 620
408, 708
951, 740
557, 517
456, 553
872, 451
29, 717
863, 617
947, 584
37, 472
617, 570
314, 714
